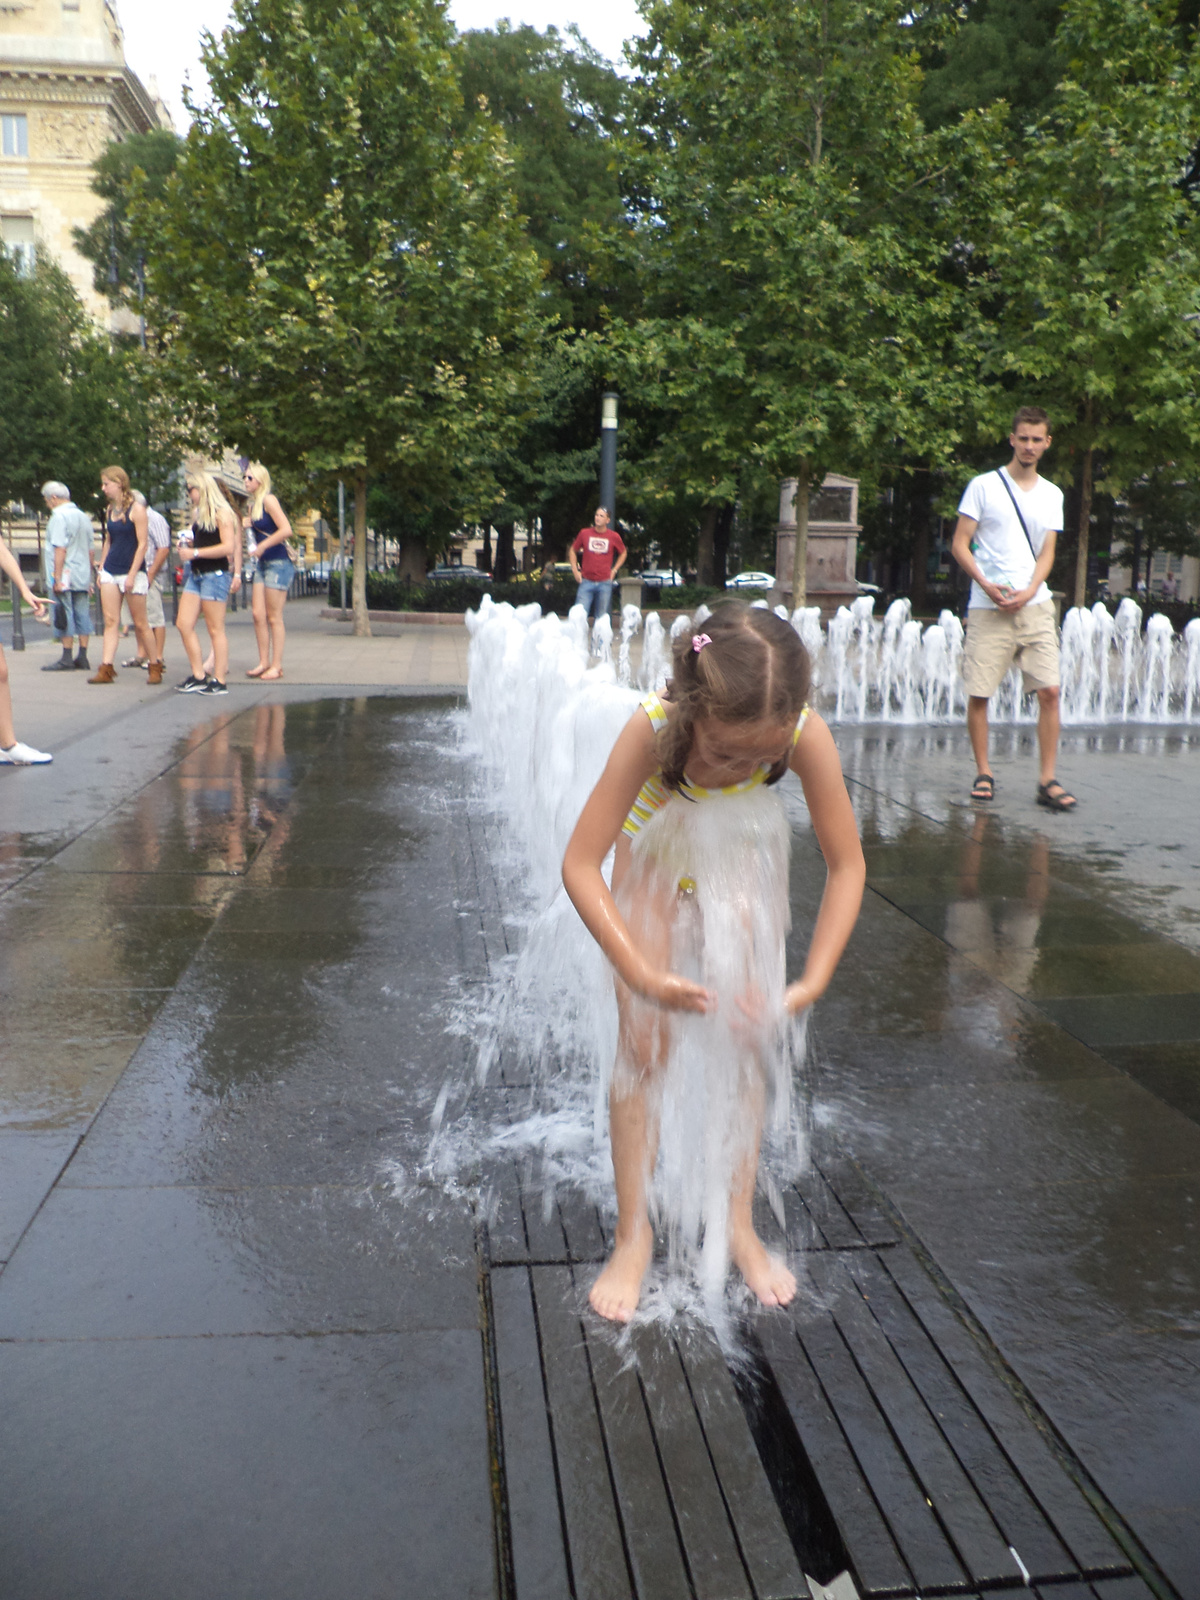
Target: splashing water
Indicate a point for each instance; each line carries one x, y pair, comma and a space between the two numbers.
543, 721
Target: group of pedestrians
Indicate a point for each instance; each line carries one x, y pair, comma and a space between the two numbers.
134, 556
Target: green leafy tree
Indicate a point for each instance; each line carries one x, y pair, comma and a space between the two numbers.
1000, 50
1094, 256
73, 399
338, 259
137, 165
561, 107
797, 312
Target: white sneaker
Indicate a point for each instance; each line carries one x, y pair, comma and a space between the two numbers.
23, 755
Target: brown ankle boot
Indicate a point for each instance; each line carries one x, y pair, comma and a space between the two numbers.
155, 673
105, 673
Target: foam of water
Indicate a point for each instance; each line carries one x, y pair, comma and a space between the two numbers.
895, 671
544, 714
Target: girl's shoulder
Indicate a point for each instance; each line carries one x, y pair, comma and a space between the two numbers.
656, 710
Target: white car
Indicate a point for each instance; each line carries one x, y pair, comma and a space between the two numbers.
751, 580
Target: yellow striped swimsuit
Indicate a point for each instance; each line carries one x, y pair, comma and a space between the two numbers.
654, 794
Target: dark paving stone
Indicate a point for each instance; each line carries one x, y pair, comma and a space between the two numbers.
1108, 970
1014, 1044
54, 1083
1107, 1020
1014, 1136
29, 1164
1170, 1071
143, 1262
254, 1469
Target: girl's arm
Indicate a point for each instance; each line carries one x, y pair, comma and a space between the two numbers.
632, 761
283, 528
815, 761
237, 547
10, 565
137, 515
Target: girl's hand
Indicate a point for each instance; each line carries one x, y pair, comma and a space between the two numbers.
235, 583
674, 993
38, 606
798, 997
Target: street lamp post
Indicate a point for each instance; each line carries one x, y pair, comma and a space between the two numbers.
342, 538
608, 453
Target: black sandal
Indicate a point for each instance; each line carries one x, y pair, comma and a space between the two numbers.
1062, 801
984, 787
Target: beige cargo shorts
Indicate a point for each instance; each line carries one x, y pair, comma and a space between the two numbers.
998, 640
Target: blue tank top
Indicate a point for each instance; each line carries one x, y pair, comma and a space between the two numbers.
122, 544
263, 527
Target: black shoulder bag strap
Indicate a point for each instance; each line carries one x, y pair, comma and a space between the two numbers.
1016, 508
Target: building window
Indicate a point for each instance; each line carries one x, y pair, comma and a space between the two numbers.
16, 235
14, 135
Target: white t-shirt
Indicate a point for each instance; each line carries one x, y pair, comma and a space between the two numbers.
1001, 548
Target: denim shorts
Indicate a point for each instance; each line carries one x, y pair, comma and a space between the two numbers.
77, 611
275, 574
127, 585
208, 585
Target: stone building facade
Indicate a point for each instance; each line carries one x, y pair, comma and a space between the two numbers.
65, 92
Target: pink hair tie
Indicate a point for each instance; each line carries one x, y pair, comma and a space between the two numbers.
699, 641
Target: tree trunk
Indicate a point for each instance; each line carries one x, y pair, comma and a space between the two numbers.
1085, 523
505, 560
917, 588
487, 547
721, 544
362, 622
411, 566
800, 554
704, 545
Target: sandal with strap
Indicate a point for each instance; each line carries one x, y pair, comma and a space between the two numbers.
1062, 801
984, 787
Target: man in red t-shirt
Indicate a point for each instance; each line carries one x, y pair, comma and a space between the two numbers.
597, 545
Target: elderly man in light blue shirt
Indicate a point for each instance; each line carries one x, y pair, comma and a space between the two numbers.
69, 562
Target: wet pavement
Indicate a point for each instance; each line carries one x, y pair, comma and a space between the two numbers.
246, 1349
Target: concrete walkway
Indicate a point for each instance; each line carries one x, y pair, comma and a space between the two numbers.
244, 1344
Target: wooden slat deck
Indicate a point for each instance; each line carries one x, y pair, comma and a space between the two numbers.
637, 1465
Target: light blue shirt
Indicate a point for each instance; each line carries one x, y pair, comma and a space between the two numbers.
71, 530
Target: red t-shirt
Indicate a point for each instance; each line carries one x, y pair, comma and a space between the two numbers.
597, 552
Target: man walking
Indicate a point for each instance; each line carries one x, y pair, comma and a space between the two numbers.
69, 549
596, 546
1008, 523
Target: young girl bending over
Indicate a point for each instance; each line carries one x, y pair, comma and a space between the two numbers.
695, 928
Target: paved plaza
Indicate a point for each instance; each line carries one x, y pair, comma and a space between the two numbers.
248, 1349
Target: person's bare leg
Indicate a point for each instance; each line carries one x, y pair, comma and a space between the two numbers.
214, 621
616, 1291
7, 735
1047, 733
141, 628
189, 611
977, 727
262, 634
110, 601
160, 643
766, 1276
276, 600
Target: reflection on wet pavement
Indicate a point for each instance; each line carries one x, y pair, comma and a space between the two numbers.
248, 985
1013, 1053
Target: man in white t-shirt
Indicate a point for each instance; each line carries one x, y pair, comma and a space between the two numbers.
1008, 523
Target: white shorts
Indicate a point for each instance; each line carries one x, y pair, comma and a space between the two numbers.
121, 579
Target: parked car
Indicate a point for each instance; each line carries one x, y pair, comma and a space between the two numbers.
667, 577
750, 580
868, 588
458, 574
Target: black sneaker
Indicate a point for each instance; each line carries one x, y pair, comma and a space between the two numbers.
192, 685
63, 665
81, 662
215, 686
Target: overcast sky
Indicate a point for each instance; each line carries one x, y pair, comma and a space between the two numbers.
162, 37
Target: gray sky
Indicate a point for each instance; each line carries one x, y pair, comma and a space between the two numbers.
162, 40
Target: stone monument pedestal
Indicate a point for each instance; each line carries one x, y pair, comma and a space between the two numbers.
833, 530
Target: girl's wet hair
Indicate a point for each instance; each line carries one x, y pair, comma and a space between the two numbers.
752, 669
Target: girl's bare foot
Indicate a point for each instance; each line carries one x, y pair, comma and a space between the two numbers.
765, 1275
256, 672
271, 673
615, 1292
